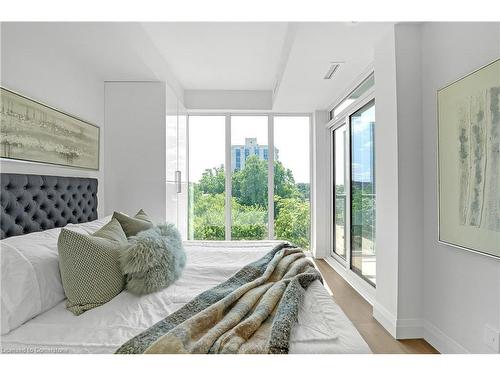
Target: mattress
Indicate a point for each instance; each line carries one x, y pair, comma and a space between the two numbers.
322, 326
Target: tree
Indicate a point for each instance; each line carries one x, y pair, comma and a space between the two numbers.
249, 185
293, 221
207, 216
249, 204
212, 181
251, 182
284, 183
304, 190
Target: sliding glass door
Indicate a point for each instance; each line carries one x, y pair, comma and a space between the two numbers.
353, 190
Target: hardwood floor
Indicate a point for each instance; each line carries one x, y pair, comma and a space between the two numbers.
360, 313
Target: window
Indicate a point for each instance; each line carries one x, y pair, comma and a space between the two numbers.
237, 203
353, 192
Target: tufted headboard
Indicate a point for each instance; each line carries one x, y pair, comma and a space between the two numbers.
31, 203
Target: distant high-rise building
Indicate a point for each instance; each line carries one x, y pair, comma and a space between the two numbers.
240, 153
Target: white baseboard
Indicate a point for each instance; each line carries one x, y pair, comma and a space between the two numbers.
385, 318
420, 328
403, 328
409, 328
442, 342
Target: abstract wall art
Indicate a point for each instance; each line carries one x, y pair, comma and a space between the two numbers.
32, 131
469, 161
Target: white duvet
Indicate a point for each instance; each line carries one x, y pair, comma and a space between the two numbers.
322, 326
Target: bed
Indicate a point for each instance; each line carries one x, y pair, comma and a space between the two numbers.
322, 326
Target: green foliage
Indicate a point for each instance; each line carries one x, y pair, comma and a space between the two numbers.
249, 232
304, 190
207, 216
363, 214
251, 183
249, 204
212, 181
293, 221
284, 183
249, 222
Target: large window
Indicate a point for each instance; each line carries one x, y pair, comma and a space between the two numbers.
353, 184
265, 193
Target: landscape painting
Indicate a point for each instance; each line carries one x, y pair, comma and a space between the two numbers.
32, 131
469, 161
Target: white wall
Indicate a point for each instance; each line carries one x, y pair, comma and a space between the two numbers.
426, 289
228, 99
461, 289
410, 177
35, 68
321, 185
135, 115
385, 308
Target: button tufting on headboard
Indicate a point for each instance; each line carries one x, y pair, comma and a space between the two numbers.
31, 203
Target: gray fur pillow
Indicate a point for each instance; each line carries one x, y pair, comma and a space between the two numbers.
154, 260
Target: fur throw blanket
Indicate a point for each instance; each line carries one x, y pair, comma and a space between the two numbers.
154, 260
251, 312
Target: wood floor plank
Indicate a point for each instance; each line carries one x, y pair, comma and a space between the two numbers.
360, 312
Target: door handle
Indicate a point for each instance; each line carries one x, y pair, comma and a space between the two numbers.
178, 181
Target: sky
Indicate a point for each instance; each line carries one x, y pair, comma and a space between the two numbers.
362, 143
207, 141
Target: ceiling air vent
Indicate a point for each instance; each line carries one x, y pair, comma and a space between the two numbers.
333, 68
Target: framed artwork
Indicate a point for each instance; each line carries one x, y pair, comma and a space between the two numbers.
469, 161
32, 131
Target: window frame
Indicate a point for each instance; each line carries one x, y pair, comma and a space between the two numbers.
270, 161
347, 188
343, 266
365, 79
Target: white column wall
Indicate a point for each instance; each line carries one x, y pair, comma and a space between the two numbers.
134, 153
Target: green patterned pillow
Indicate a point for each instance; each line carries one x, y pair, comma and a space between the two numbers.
133, 225
90, 266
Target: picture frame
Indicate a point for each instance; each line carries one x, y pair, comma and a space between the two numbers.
32, 131
469, 162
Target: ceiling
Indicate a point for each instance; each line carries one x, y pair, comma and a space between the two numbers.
255, 55
315, 46
220, 56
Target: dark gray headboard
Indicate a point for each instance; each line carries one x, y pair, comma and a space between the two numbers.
31, 203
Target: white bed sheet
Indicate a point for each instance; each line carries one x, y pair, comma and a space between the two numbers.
322, 326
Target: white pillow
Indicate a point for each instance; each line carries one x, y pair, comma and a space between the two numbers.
30, 277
